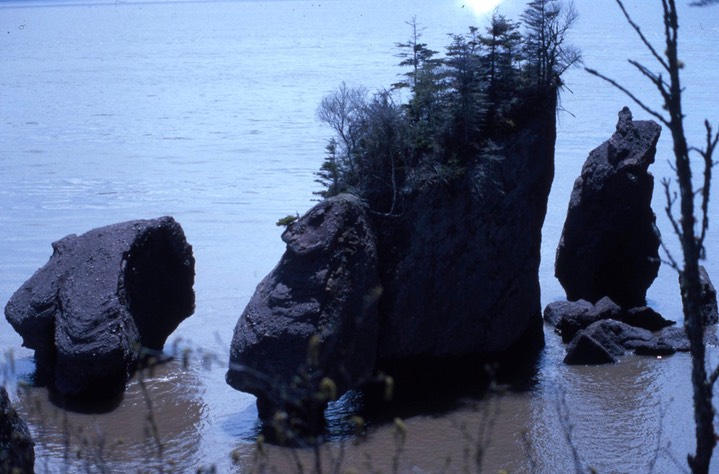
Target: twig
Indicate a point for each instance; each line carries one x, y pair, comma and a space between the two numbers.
644, 39
707, 154
626, 91
714, 376
671, 199
151, 421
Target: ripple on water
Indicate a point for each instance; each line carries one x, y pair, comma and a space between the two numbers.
127, 440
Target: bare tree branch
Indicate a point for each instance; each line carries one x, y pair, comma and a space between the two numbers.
670, 258
626, 91
707, 154
714, 376
656, 79
644, 39
671, 199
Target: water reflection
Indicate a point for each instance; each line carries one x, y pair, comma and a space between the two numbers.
441, 426
156, 424
635, 414
480, 435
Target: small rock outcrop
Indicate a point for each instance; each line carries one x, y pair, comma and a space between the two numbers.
309, 333
605, 308
609, 244
708, 298
17, 449
603, 341
585, 350
570, 317
101, 297
645, 318
676, 338
599, 333
557, 312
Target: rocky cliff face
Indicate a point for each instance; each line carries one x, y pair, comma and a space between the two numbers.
460, 264
610, 243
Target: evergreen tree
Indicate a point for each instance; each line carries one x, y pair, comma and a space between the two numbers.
383, 152
415, 55
502, 43
457, 105
466, 104
424, 80
546, 53
330, 175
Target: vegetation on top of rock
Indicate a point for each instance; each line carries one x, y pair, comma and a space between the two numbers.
459, 106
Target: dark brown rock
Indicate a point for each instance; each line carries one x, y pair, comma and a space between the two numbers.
585, 350
654, 348
676, 338
101, 297
457, 256
708, 298
17, 449
460, 260
314, 317
613, 337
618, 337
609, 244
646, 318
572, 316
557, 311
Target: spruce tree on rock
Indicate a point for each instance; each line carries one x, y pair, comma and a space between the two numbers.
546, 51
467, 100
502, 43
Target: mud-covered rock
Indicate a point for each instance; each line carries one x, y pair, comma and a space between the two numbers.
101, 297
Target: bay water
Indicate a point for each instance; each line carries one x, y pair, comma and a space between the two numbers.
205, 110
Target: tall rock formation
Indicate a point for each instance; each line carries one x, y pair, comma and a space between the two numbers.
451, 276
460, 263
610, 243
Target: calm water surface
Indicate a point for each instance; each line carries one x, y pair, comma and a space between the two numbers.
206, 111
